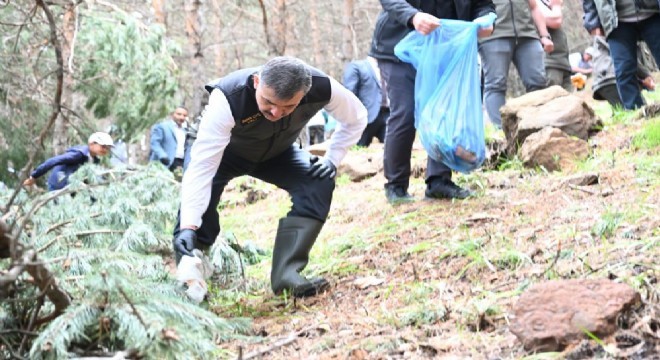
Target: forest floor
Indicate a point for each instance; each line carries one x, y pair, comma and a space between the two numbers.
439, 278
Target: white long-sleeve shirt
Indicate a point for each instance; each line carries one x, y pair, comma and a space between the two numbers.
215, 134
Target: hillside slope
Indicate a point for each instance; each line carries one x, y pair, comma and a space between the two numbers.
439, 278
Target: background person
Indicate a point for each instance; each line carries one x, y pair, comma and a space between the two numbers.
585, 65
604, 77
623, 23
395, 21
168, 139
521, 37
557, 65
363, 78
62, 166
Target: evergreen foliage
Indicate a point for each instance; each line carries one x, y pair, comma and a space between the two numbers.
130, 75
106, 245
122, 70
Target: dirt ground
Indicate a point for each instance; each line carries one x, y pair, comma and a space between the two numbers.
438, 278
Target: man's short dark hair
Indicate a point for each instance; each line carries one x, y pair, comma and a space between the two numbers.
286, 76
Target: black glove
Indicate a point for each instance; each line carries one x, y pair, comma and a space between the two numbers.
184, 243
165, 161
322, 168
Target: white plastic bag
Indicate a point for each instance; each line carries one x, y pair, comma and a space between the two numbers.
193, 271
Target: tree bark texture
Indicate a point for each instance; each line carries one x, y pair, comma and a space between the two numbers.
160, 15
348, 37
60, 138
194, 25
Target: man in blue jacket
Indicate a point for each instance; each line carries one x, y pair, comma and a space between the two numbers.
168, 139
398, 18
362, 78
64, 165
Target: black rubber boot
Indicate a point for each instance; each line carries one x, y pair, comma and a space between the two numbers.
294, 240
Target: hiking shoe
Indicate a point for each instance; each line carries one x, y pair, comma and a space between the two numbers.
446, 189
397, 195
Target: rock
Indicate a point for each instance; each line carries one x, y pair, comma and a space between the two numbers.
651, 110
582, 179
552, 149
551, 107
360, 165
318, 149
551, 315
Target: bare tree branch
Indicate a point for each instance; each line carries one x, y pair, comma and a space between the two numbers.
43, 278
57, 106
264, 19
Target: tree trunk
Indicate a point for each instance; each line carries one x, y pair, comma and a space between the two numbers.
279, 29
348, 36
60, 140
160, 15
194, 24
317, 49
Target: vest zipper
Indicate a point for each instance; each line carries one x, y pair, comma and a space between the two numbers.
276, 134
513, 22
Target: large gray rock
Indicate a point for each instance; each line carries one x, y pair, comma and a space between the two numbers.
551, 107
551, 315
552, 149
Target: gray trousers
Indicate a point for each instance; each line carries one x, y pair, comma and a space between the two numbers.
496, 56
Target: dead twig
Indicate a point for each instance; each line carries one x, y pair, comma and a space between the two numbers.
554, 261
58, 225
130, 303
33, 319
581, 188
46, 282
8, 347
277, 344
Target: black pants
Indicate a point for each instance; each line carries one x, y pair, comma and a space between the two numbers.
311, 198
316, 134
400, 134
375, 129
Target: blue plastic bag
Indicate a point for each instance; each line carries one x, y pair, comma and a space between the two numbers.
448, 111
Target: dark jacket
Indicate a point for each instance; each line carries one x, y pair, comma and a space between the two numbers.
63, 166
602, 14
361, 80
394, 21
255, 138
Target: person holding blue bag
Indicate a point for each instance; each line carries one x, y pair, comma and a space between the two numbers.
397, 19
448, 112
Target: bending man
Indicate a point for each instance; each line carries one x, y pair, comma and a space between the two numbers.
249, 127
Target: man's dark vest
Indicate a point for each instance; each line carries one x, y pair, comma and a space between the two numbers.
255, 138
